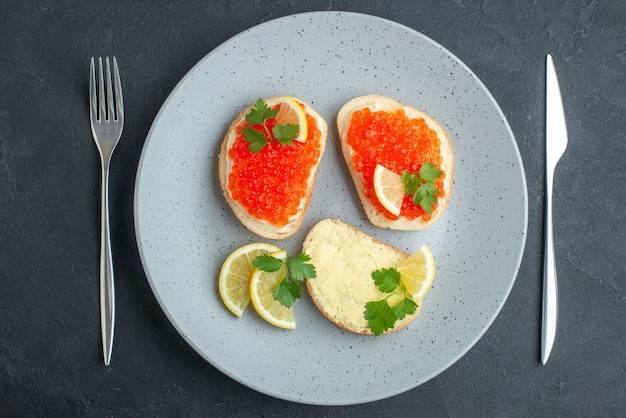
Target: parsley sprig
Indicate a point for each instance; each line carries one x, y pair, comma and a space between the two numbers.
379, 314
422, 185
259, 115
298, 269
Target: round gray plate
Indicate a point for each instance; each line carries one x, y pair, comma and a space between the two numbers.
185, 229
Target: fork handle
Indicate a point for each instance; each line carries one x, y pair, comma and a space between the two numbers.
107, 291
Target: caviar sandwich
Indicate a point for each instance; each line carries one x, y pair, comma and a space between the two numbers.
400, 159
268, 163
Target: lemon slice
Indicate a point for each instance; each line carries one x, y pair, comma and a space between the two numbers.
234, 279
389, 189
291, 112
417, 272
262, 286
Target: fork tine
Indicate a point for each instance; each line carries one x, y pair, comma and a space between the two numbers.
117, 84
101, 93
93, 106
109, 89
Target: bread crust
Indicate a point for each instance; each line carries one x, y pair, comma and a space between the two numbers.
355, 240
377, 103
259, 226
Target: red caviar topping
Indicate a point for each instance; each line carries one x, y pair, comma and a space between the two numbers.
271, 183
398, 143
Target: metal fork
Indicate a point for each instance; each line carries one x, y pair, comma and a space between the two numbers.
106, 113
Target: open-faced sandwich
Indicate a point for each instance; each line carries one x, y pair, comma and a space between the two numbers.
401, 161
268, 164
364, 285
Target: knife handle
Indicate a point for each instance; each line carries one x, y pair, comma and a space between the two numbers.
550, 295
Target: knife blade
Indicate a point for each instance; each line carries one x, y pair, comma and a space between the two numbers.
556, 143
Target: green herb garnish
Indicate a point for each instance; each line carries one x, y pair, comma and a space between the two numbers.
379, 314
298, 269
422, 185
259, 138
285, 134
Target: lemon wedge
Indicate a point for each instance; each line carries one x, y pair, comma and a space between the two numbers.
417, 273
262, 286
292, 112
235, 274
389, 189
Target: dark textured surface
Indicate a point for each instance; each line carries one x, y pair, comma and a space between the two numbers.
50, 353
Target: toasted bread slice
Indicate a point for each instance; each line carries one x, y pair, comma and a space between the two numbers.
344, 258
380, 103
316, 142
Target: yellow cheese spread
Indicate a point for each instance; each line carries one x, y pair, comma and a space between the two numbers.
345, 259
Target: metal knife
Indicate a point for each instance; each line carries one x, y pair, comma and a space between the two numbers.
556, 143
